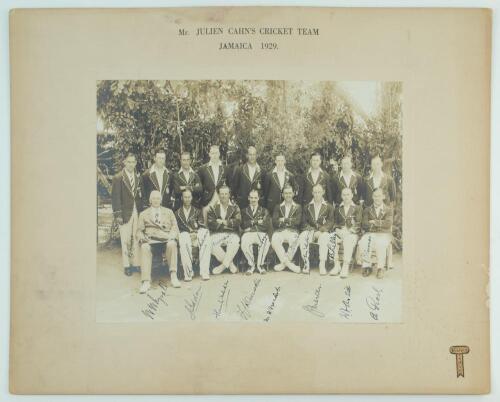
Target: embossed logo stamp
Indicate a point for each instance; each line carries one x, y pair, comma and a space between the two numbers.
459, 352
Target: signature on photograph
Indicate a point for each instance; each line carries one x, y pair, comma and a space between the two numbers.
270, 309
153, 306
373, 302
222, 300
313, 307
243, 306
192, 304
345, 310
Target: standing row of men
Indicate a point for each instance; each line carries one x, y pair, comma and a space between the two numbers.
273, 205
249, 176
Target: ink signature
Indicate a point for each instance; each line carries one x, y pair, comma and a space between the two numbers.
373, 302
345, 310
222, 300
153, 306
244, 304
271, 307
192, 304
313, 308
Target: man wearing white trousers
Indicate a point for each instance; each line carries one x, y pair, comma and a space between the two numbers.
317, 225
256, 225
126, 201
192, 232
377, 223
347, 227
224, 221
287, 217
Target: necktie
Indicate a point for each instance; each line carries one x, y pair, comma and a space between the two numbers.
132, 182
157, 218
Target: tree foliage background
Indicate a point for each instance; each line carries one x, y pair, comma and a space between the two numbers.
293, 117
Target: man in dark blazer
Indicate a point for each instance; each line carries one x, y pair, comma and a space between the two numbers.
256, 226
287, 218
192, 231
224, 221
275, 181
317, 226
379, 179
248, 177
315, 175
158, 178
213, 176
377, 224
347, 178
126, 202
186, 179
348, 217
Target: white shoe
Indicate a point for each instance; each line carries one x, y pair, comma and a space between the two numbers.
261, 270
173, 279
233, 268
336, 269
322, 268
345, 271
187, 279
250, 271
279, 267
219, 269
294, 268
205, 277
145, 286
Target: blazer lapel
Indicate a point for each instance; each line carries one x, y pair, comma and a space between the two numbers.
182, 216
211, 174
137, 181
246, 172
165, 180
191, 212
255, 174
127, 182
310, 209
320, 177
276, 180
221, 173
231, 210
154, 180
310, 178
343, 182
321, 210
181, 177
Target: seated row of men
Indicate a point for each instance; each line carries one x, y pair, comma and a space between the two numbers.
228, 228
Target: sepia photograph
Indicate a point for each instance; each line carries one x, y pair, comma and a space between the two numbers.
260, 201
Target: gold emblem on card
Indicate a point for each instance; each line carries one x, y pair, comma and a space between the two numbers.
459, 352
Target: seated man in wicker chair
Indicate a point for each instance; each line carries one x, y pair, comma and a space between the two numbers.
157, 225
